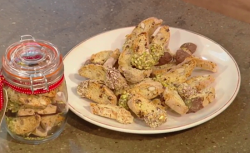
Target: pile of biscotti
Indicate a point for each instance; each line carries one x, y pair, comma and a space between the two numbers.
145, 79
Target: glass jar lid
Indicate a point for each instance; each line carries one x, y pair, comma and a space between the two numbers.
30, 60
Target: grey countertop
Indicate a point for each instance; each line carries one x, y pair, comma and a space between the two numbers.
68, 22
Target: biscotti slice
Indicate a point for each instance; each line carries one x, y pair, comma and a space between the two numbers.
159, 103
117, 113
177, 74
93, 72
148, 88
114, 79
34, 101
164, 66
189, 65
159, 70
185, 90
172, 77
97, 92
159, 45
153, 115
131, 74
140, 44
174, 101
148, 25
111, 77
200, 82
209, 95
100, 57
206, 65
200, 100
110, 62
134, 75
23, 125
49, 121
142, 59
162, 37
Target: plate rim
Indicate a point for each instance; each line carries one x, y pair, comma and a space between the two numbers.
172, 129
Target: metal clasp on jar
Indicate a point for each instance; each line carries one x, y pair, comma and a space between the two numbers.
39, 82
27, 37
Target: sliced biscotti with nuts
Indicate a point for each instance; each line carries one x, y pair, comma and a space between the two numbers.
159, 103
174, 101
110, 62
200, 82
200, 100
143, 108
159, 45
172, 77
160, 70
166, 66
134, 75
148, 25
147, 55
34, 101
96, 91
162, 37
177, 74
163, 67
108, 75
93, 72
195, 99
114, 79
117, 113
148, 88
49, 121
140, 44
209, 95
205, 64
188, 64
142, 58
131, 74
23, 125
185, 90
100, 57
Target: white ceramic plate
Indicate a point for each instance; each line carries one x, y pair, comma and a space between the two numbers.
227, 82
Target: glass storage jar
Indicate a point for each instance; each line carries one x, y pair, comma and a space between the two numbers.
33, 77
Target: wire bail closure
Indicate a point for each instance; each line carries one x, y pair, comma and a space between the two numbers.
26, 37
32, 85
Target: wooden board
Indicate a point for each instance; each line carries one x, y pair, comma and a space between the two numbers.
238, 9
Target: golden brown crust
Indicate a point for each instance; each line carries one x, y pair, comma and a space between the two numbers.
34, 101
93, 72
162, 37
148, 88
97, 92
200, 82
131, 74
117, 113
153, 116
24, 125
100, 57
108, 75
206, 65
174, 101
110, 62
